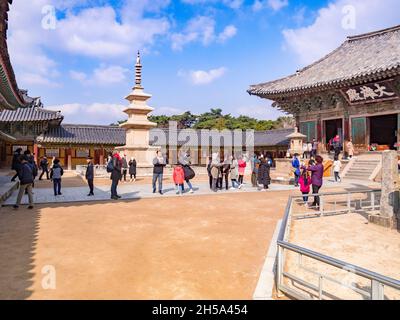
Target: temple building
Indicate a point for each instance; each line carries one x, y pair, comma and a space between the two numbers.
353, 91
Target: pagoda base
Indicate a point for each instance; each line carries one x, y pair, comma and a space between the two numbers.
143, 155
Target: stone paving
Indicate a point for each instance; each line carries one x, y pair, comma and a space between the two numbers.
139, 191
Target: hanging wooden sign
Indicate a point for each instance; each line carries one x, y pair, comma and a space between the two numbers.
370, 93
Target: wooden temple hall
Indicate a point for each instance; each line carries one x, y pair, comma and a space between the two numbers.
353, 91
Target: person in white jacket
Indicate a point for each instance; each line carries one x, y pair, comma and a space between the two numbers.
337, 166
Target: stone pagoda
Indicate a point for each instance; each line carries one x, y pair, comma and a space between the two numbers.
138, 126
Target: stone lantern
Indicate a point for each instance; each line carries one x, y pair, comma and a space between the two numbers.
296, 142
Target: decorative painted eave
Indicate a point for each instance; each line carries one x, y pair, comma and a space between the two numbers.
10, 96
361, 59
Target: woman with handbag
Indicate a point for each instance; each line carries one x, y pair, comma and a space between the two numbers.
184, 161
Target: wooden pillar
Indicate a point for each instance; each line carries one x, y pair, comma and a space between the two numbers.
346, 129
35, 152
68, 153
319, 129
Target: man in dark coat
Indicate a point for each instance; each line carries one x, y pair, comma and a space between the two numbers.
132, 169
44, 165
25, 176
264, 177
158, 171
90, 176
16, 163
116, 175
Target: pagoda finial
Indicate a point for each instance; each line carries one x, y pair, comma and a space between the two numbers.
138, 68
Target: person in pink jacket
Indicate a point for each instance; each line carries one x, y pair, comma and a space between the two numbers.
242, 167
305, 185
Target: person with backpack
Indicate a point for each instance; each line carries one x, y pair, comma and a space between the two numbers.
184, 161
305, 185
32, 163
179, 179
16, 163
25, 176
114, 167
158, 172
44, 165
296, 169
132, 169
90, 176
56, 173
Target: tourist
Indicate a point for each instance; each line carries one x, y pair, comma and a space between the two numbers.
210, 178
44, 165
317, 174
234, 173
25, 176
16, 163
179, 179
264, 177
305, 150
309, 149
242, 168
305, 184
132, 168
226, 169
215, 165
337, 145
337, 165
32, 163
56, 173
158, 171
296, 169
90, 176
314, 149
184, 161
114, 167
350, 149
255, 163
124, 167
220, 174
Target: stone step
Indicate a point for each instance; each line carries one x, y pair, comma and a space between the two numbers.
6, 190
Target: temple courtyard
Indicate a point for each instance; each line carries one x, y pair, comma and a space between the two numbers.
201, 246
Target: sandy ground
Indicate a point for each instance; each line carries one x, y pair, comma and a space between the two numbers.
208, 247
348, 238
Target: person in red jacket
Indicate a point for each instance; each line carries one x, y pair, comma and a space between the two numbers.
242, 168
179, 179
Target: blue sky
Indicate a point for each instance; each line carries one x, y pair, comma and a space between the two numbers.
196, 54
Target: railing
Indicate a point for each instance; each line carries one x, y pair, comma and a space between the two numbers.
352, 281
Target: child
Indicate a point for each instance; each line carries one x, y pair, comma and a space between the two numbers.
55, 175
337, 165
179, 179
305, 184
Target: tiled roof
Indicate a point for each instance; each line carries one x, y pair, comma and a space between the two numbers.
84, 134
29, 114
364, 58
115, 136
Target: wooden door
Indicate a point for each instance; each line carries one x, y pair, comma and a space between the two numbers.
359, 132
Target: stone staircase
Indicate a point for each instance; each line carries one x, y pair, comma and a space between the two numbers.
364, 168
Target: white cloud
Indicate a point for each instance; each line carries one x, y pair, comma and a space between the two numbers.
97, 32
103, 75
229, 32
202, 77
234, 4
326, 33
201, 29
95, 113
275, 5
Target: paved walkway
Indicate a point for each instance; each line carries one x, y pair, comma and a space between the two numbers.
140, 191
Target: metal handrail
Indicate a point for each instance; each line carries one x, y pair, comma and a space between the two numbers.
377, 280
